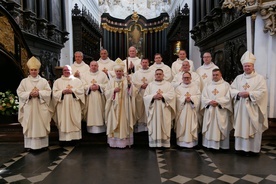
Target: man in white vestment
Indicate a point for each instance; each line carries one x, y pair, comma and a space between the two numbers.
34, 112
68, 98
134, 63
187, 108
94, 84
205, 71
120, 108
159, 100
79, 67
141, 79
105, 64
158, 64
249, 91
176, 65
217, 118
178, 78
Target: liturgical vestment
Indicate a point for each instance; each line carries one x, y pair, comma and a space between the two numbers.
160, 113
166, 70
135, 61
205, 72
107, 65
177, 80
250, 114
139, 78
217, 121
186, 121
68, 107
177, 65
94, 101
35, 113
82, 68
120, 112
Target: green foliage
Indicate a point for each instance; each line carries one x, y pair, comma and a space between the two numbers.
8, 103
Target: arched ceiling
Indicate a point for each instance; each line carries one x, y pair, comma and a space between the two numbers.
123, 8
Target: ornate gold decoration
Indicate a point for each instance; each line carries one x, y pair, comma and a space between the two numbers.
144, 80
6, 34
93, 82
246, 86
159, 91
266, 8
187, 94
125, 30
135, 16
204, 76
215, 91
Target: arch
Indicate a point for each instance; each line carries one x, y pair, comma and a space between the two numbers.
14, 52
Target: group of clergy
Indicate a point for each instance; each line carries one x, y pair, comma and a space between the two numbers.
123, 97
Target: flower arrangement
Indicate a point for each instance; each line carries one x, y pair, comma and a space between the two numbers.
8, 103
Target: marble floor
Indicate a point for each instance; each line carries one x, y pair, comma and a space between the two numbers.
97, 164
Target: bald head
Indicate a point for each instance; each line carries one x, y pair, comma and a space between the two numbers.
132, 52
94, 66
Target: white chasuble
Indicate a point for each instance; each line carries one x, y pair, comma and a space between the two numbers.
68, 107
95, 101
35, 113
139, 78
177, 80
250, 114
82, 68
217, 121
166, 70
186, 121
205, 72
177, 65
160, 113
107, 66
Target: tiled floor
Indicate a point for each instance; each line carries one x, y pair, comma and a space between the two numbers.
97, 163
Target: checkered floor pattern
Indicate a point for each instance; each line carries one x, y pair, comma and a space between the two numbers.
11, 177
168, 175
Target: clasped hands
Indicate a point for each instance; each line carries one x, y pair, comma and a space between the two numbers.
188, 99
213, 103
144, 86
158, 96
94, 87
244, 94
34, 93
67, 91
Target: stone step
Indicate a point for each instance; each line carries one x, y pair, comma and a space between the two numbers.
12, 132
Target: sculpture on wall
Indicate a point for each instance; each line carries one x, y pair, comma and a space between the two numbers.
266, 8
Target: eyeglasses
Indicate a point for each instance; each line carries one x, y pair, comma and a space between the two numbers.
186, 77
206, 56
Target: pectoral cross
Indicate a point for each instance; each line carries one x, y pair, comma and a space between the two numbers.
144, 80
187, 94
35, 89
204, 76
105, 70
119, 83
215, 91
93, 82
246, 86
159, 91
69, 86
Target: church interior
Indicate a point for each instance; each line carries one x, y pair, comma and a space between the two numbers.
52, 30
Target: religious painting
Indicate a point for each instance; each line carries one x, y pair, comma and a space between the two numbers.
136, 38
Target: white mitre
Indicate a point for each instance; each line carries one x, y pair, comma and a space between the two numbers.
248, 57
33, 63
119, 64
